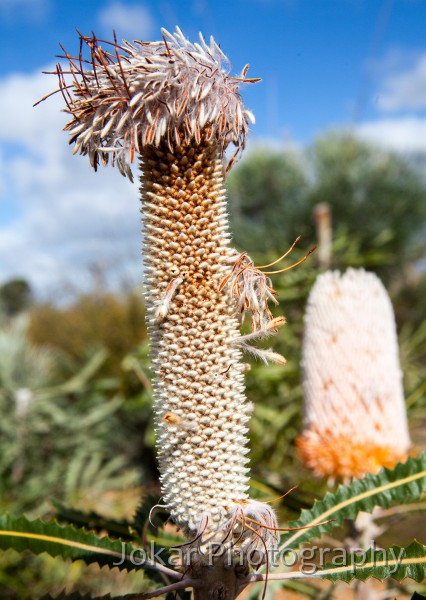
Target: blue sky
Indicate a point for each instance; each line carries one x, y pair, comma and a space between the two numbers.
323, 63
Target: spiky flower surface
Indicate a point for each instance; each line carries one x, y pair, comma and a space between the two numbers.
200, 405
201, 412
126, 97
355, 420
174, 104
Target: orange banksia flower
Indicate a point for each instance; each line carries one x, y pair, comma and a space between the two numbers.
354, 412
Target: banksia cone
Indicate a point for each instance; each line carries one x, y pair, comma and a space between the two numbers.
354, 412
173, 104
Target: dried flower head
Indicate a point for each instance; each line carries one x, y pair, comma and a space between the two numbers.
355, 420
134, 95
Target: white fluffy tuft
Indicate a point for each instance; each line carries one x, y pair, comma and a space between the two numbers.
141, 93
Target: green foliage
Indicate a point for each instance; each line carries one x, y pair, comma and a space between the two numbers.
74, 381
112, 327
372, 191
404, 483
45, 425
267, 193
95, 321
22, 364
376, 197
69, 434
378, 203
398, 563
93, 521
38, 536
69, 542
15, 297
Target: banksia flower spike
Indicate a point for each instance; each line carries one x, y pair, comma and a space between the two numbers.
355, 420
174, 105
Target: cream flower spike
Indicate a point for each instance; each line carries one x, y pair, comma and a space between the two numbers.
132, 95
173, 103
355, 420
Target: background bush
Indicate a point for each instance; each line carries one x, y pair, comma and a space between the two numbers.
75, 393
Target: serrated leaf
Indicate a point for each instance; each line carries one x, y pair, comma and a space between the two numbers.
66, 541
92, 521
397, 563
394, 563
405, 483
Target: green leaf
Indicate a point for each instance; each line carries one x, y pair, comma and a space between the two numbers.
397, 563
77, 383
303, 588
93, 521
39, 536
405, 483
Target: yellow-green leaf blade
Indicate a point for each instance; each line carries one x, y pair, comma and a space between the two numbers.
405, 483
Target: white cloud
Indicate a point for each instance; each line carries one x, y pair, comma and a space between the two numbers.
405, 134
69, 218
129, 21
405, 90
